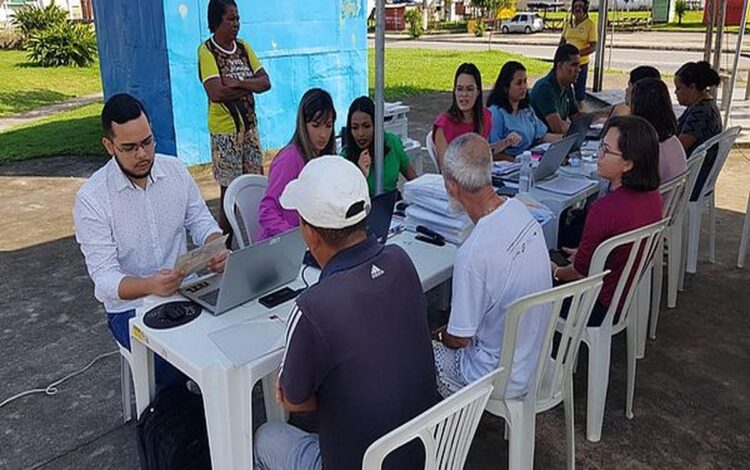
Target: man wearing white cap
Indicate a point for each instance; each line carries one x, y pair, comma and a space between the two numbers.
358, 345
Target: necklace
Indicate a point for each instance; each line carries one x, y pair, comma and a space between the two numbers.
493, 206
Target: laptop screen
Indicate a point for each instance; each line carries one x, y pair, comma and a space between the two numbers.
381, 213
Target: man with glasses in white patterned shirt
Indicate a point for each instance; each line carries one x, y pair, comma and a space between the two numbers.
132, 217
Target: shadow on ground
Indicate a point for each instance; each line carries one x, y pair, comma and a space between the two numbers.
691, 403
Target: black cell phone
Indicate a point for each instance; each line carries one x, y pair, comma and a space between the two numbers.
278, 297
559, 257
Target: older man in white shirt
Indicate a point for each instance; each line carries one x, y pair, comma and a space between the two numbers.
131, 219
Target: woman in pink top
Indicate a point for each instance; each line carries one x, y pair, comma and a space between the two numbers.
313, 137
628, 160
650, 100
466, 114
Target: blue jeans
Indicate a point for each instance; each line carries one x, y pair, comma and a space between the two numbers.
579, 87
284, 447
166, 374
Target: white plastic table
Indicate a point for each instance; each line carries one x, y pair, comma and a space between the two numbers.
558, 203
227, 354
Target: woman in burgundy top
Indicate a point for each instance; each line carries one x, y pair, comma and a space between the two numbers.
466, 114
629, 159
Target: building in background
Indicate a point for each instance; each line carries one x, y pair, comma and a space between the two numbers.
77, 9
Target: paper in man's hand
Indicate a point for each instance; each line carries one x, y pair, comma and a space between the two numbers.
197, 260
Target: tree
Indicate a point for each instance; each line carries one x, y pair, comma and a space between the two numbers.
680, 8
489, 8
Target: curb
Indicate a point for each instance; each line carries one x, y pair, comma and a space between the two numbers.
437, 38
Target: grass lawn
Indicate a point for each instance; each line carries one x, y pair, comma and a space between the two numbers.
408, 72
76, 132
24, 86
419, 71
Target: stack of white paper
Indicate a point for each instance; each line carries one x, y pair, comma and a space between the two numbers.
429, 206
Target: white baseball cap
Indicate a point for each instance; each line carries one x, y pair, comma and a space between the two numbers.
330, 192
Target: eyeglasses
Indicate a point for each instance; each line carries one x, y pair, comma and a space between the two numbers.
130, 150
466, 90
604, 149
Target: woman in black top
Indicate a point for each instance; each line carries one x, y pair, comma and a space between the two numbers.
702, 119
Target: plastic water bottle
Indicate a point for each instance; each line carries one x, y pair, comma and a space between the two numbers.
526, 176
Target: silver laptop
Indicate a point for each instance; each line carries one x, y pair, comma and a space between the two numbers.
250, 272
551, 160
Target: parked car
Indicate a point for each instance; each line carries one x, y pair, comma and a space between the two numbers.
523, 23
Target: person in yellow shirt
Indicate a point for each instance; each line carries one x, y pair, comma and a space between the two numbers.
580, 31
231, 74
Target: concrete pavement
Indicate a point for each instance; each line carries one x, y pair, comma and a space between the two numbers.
692, 408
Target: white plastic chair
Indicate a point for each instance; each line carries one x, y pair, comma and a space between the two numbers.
643, 241
125, 381
676, 234
695, 162
553, 381
241, 202
431, 151
674, 196
446, 430
725, 140
745, 236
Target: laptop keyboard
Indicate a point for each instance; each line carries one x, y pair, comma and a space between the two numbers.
211, 297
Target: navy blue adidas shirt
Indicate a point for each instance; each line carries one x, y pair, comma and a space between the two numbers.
358, 340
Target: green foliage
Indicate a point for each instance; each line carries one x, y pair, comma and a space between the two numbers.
680, 8
414, 20
65, 44
480, 29
10, 39
32, 19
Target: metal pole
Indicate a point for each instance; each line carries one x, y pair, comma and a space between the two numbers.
601, 45
737, 52
709, 30
379, 92
720, 34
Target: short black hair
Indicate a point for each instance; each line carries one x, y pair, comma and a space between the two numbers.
216, 10
700, 74
120, 108
638, 143
564, 53
641, 72
337, 237
650, 100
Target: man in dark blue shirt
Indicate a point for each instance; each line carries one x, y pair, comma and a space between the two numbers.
358, 347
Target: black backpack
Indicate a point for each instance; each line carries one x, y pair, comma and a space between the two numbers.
172, 432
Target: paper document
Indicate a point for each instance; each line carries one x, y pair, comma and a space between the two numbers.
197, 260
251, 339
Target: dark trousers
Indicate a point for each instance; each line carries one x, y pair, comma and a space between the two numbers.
166, 374
597, 314
579, 87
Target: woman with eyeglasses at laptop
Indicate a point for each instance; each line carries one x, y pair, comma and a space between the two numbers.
466, 114
515, 126
359, 147
650, 100
313, 137
628, 159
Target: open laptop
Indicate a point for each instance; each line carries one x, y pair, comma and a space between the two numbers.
551, 160
378, 221
250, 273
580, 128
595, 133
381, 213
